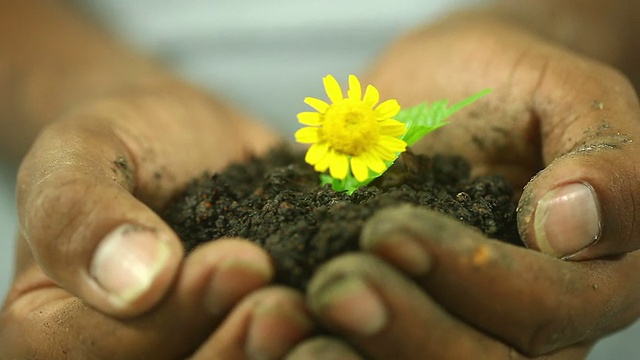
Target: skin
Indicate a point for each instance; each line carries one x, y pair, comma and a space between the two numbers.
106, 155
543, 105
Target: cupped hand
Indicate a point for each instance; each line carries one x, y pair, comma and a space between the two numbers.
98, 271
559, 124
90, 188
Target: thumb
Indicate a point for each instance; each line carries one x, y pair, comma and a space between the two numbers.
583, 204
85, 228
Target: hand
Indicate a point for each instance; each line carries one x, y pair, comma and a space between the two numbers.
568, 120
215, 310
469, 297
99, 274
444, 291
551, 109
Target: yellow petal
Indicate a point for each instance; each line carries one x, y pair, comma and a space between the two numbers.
307, 135
310, 118
387, 109
320, 105
339, 166
373, 162
371, 96
324, 163
332, 88
383, 152
355, 90
316, 153
392, 143
359, 168
392, 127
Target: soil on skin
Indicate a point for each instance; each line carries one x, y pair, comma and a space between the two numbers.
277, 202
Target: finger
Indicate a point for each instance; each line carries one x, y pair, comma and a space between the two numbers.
582, 205
84, 226
42, 318
529, 300
265, 325
385, 316
322, 347
583, 201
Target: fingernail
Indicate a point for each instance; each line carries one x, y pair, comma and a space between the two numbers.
351, 304
127, 261
233, 279
275, 328
402, 250
567, 220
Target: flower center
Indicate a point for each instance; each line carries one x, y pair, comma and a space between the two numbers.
350, 127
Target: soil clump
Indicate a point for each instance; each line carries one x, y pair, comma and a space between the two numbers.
277, 202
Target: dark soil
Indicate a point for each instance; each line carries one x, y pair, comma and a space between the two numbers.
277, 202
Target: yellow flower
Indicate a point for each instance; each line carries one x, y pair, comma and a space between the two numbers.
351, 133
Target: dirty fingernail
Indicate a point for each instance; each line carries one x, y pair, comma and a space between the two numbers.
127, 261
351, 304
402, 250
233, 279
275, 328
567, 220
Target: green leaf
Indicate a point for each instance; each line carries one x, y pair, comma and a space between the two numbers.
468, 101
424, 118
